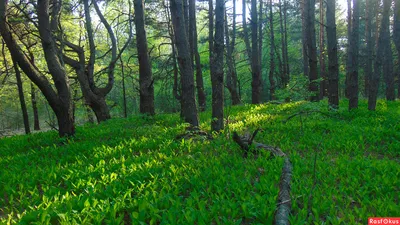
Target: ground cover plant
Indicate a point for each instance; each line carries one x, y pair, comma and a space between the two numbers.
134, 171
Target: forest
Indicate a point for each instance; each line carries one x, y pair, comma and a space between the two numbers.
199, 112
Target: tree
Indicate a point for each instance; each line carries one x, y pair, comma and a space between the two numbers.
201, 95
370, 44
383, 36
272, 54
217, 78
36, 124
349, 49
304, 23
322, 71
231, 76
189, 111
354, 45
94, 95
245, 30
312, 49
396, 38
333, 67
285, 75
255, 58
22, 99
59, 99
146, 80
388, 62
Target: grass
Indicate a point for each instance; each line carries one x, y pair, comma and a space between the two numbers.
133, 171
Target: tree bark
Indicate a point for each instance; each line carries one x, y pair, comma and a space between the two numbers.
304, 19
217, 79
271, 54
370, 44
284, 75
36, 124
146, 80
354, 45
201, 96
22, 99
396, 39
349, 62
322, 69
255, 63
312, 50
286, 42
374, 85
388, 63
333, 67
245, 30
189, 110
231, 76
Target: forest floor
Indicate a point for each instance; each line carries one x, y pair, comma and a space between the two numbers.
134, 171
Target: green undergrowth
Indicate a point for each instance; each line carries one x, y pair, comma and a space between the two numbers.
346, 168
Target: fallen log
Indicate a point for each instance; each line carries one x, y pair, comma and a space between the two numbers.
284, 200
246, 141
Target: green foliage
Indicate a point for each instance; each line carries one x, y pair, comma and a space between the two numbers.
135, 170
296, 90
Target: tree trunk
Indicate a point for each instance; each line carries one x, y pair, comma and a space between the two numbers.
22, 99
286, 42
304, 19
388, 63
189, 110
284, 74
145, 74
231, 76
396, 39
370, 44
201, 96
333, 67
36, 124
260, 38
374, 84
354, 45
312, 49
255, 63
245, 30
123, 88
322, 69
349, 62
217, 79
271, 54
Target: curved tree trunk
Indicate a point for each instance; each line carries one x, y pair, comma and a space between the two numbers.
59, 100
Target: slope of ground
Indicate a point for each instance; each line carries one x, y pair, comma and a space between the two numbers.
134, 171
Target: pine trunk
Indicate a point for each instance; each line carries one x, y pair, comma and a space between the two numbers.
333, 67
